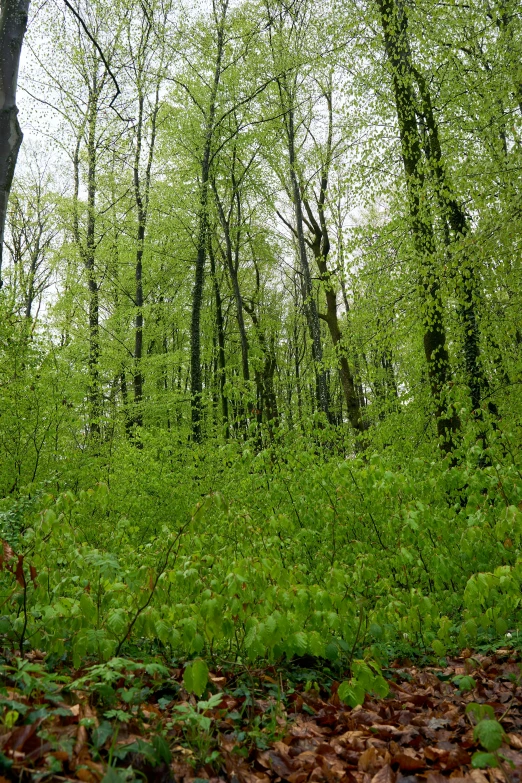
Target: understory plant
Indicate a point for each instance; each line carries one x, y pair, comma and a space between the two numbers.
292, 555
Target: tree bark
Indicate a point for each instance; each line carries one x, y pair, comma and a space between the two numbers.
196, 383
90, 251
394, 25
141, 195
232, 262
13, 24
220, 329
320, 246
456, 220
267, 402
141, 209
87, 251
310, 305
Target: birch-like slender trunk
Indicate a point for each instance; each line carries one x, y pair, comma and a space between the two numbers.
196, 381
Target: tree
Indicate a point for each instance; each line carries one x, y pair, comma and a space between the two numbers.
13, 24
394, 24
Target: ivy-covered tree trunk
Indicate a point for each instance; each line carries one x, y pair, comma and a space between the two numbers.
394, 25
13, 24
267, 399
457, 223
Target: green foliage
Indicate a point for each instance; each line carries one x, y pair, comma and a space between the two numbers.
483, 760
299, 567
490, 734
198, 728
465, 682
195, 677
366, 678
339, 524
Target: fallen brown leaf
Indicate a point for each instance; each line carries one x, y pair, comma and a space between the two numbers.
384, 775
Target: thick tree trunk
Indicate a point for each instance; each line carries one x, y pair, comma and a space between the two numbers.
243, 338
13, 24
394, 25
320, 247
456, 220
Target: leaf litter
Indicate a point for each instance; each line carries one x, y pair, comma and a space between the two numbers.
127, 721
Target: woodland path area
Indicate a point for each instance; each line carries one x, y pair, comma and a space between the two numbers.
272, 724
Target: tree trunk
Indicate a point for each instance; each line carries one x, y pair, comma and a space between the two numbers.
196, 389
320, 245
394, 26
87, 251
90, 250
220, 329
13, 24
455, 218
267, 400
232, 262
310, 305
137, 418
141, 195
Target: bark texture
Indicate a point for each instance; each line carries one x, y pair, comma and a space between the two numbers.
13, 24
196, 379
394, 25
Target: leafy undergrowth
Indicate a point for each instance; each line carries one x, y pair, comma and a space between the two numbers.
126, 721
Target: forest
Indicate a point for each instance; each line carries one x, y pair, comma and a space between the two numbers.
261, 390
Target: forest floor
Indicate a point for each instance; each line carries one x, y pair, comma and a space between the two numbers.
125, 721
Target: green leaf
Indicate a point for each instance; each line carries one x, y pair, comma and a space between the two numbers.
5, 763
465, 683
195, 676
481, 760
117, 622
351, 692
381, 687
480, 711
114, 775
123, 717
331, 652
490, 734
87, 606
438, 648
101, 734
161, 747
197, 643
12, 716
214, 701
